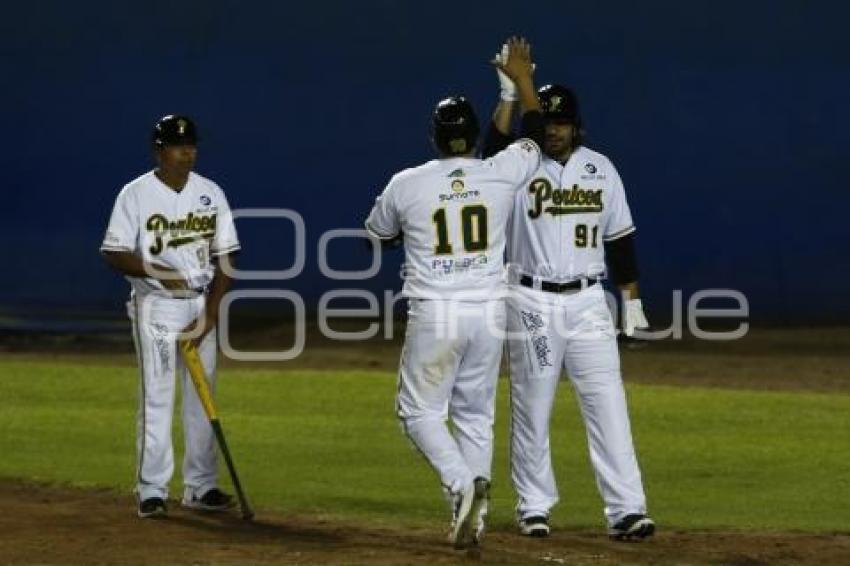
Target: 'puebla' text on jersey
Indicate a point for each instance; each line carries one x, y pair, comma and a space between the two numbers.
564, 214
453, 214
182, 230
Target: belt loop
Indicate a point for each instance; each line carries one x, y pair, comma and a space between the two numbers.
536, 282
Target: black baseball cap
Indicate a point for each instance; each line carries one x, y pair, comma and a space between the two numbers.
559, 103
175, 129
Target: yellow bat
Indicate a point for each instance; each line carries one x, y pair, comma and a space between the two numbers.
199, 378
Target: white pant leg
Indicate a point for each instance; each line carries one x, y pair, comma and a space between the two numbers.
472, 406
536, 353
593, 362
156, 321
200, 468
429, 363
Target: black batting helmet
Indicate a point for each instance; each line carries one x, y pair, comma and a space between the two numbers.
560, 104
174, 130
454, 126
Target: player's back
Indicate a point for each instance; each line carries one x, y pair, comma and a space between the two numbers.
453, 214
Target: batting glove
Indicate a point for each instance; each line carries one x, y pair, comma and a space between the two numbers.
633, 317
509, 92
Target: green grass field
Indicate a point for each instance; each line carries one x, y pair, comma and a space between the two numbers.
327, 443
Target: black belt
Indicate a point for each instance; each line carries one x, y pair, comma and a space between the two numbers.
190, 293
552, 287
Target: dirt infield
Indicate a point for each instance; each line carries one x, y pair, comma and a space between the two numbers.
50, 526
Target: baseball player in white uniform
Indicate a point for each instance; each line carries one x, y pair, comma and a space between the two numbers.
452, 213
570, 219
168, 231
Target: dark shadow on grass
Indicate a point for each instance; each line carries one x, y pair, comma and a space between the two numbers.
238, 530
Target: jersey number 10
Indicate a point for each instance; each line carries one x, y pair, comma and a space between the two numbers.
473, 224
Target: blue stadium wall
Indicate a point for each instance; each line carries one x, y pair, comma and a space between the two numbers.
729, 123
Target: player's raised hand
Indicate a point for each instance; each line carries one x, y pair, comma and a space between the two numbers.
518, 66
508, 91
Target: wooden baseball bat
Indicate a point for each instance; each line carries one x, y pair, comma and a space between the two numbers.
199, 378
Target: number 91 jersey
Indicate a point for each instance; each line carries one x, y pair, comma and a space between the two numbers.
453, 214
563, 216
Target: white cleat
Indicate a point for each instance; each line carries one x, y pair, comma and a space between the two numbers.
466, 531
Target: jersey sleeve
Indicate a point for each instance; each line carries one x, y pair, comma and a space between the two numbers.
518, 161
383, 221
225, 240
618, 221
123, 229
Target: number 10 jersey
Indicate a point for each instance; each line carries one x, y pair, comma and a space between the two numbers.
453, 214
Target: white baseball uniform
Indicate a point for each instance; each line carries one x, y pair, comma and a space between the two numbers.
182, 230
453, 214
561, 219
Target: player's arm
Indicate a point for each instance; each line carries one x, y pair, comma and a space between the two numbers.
622, 264
499, 135
619, 242
623, 269
218, 287
128, 263
520, 70
383, 223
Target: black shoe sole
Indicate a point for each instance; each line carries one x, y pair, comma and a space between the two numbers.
158, 514
645, 531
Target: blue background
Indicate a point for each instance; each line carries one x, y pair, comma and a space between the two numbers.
728, 123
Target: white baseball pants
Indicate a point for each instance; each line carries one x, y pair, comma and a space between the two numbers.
449, 370
156, 322
548, 332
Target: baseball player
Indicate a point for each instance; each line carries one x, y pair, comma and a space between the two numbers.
569, 221
168, 232
452, 213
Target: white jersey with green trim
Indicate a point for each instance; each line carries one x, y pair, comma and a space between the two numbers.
564, 214
453, 214
181, 230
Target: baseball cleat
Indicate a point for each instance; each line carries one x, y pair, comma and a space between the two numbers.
213, 500
472, 499
632, 527
536, 526
152, 507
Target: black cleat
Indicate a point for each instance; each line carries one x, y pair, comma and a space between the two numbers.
632, 527
152, 507
535, 526
213, 500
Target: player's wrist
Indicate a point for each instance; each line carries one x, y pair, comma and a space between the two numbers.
508, 95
